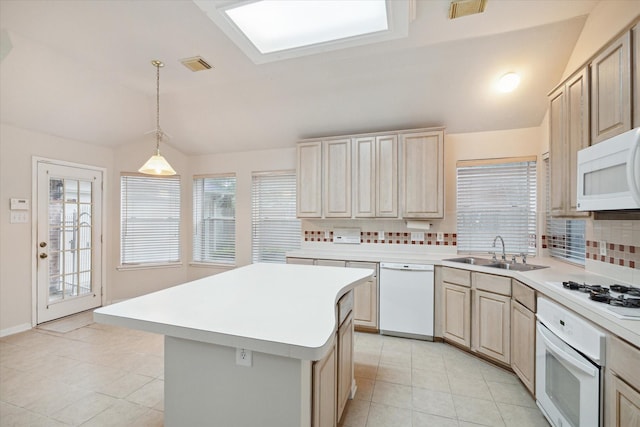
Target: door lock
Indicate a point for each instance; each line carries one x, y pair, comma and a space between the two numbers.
43, 255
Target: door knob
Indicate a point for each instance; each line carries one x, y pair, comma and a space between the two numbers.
43, 244
43, 255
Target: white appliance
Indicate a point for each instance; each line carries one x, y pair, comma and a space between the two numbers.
609, 174
406, 300
570, 355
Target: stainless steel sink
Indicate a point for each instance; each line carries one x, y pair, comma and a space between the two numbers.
471, 260
516, 267
500, 264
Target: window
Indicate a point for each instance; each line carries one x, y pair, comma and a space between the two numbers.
497, 197
275, 228
214, 219
149, 220
564, 237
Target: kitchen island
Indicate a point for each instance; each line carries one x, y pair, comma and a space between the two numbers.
240, 346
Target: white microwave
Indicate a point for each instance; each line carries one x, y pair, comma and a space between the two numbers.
609, 174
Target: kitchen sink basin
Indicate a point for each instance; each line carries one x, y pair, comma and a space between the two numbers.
500, 264
471, 260
515, 267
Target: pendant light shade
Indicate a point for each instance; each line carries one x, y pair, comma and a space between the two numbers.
157, 164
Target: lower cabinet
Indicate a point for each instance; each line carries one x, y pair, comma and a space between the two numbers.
523, 344
325, 390
455, 293
365, 309
622, 384
490, 334
345, 363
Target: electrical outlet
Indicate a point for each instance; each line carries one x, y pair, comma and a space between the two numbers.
244, 357
603, 247
417, 236
327, 234
439, 237
380, 235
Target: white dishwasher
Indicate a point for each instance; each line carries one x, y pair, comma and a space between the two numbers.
406, 300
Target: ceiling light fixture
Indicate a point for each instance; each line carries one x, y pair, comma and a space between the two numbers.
157, 165
508, 82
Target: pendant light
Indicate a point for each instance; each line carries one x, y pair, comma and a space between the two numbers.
157, 165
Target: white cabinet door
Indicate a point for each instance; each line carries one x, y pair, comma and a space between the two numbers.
309, 180
386, 176
337, 178
364, 182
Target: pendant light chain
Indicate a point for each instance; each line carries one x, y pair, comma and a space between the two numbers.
158, 64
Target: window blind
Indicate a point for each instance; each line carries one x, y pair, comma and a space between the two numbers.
496, 197
214, 219
275, 228
149, 220
565, 237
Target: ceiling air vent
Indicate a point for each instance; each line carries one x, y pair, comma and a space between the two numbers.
197, 63
460, 8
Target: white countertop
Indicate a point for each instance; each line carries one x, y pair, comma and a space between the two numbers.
541, 280
287, 310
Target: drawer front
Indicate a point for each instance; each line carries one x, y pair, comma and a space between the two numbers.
623, 358
490, 283
305, 261
524, 295
456, 276
330, 263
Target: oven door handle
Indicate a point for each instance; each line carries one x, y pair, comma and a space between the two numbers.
559, 353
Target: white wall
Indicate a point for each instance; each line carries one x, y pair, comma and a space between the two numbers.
17, 148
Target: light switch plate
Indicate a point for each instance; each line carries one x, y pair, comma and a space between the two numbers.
380, 235
440, 237
602, 245
417, 236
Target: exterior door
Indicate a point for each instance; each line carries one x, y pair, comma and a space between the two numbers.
69, 234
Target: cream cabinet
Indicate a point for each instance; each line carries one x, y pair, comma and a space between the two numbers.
325, 400
568, 133
365, 306
422, 174
491, 316
337, 178
345, 363
375, 176
611, 90
456, 306
622, 384
523, 333
309, 180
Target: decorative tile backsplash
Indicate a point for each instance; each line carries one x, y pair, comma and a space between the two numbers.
622, 255
391, 238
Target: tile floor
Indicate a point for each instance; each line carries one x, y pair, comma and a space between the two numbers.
98, 375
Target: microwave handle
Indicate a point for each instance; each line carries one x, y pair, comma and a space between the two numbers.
632, 165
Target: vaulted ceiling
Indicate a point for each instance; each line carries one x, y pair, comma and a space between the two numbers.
81, 70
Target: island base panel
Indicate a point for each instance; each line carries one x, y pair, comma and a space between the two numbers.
204, 386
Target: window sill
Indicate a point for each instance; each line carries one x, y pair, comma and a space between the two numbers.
148, 266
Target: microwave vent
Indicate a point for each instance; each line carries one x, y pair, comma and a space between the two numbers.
459, 8
197, 63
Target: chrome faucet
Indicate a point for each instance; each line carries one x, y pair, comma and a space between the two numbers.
504, 255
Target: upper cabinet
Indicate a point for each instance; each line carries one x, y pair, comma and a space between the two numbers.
422, 173
568, 133
309, 180
358, 176
337, 178
611, 90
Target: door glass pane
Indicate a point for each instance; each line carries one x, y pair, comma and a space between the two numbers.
70, 238
563, 388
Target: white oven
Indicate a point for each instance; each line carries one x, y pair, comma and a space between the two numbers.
609, 174
569, 367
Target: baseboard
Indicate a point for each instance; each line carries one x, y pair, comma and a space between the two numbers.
15, 330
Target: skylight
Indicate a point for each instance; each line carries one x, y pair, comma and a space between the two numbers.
276, 25
272, 30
